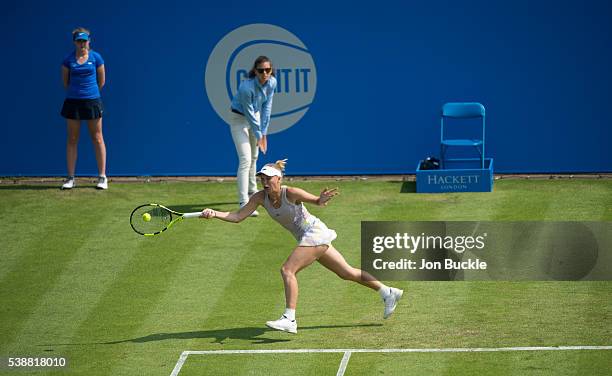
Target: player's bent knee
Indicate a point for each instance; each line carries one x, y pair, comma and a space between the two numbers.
286, 271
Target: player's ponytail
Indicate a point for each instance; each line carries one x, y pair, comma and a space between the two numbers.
280, 164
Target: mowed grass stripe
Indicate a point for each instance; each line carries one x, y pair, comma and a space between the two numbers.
484, 298
15, 244
30, 214
76, 291
591, 362
486, 314
123, 306
568, 200
543, 313
262, 364
135, 294
442, 321
574, 203
461, 304
41, 265
21, 233
541, 200
180, 318
109, 315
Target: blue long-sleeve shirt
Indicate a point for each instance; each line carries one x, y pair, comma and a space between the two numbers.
253, 97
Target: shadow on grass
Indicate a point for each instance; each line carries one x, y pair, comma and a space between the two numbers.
248, 333
219, 335
408, 187
37, 187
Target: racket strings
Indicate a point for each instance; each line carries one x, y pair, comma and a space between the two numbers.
157, 220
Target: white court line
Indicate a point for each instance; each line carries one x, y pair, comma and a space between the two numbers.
344, 363
179, 364
185, 354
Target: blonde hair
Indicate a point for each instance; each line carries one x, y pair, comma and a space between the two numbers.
279, 165
81, 29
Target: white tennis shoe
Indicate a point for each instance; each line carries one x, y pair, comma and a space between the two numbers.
102, 183
69, 183
283, 324
391, 301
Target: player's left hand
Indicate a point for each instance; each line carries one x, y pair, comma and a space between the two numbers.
327, 195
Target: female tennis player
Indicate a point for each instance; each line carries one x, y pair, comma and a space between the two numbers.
286, 206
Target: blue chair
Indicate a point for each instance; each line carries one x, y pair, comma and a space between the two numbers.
462, 111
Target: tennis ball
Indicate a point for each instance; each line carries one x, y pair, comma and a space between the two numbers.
146, 217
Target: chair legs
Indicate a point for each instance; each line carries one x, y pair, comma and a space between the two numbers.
443, 151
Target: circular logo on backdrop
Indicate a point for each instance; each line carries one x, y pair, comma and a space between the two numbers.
294, 69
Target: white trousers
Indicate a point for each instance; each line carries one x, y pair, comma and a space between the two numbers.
247, 150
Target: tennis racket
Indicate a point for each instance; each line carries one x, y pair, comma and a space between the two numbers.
153, 219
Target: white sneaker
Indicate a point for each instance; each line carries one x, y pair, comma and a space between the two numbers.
391, 301
102, 183
283, 324
69, 183
255, 213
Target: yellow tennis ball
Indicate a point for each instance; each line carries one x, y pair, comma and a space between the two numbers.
146, 217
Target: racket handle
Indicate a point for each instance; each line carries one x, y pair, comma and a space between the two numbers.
192, 215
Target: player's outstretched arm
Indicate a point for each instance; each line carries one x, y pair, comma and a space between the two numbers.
299, 195
236, 216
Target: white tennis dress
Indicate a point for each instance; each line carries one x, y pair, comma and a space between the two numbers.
307, 229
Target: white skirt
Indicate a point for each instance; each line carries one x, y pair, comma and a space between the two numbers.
317, 234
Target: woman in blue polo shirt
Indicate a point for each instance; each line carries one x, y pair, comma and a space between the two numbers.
83, 76
249, 120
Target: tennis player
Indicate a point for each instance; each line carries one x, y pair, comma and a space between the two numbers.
286, 206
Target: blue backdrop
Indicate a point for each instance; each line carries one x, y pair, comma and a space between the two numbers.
384, 69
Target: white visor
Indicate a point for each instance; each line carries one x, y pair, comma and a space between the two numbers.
270, 171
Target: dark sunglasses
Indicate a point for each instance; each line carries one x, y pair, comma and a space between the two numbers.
261, 70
